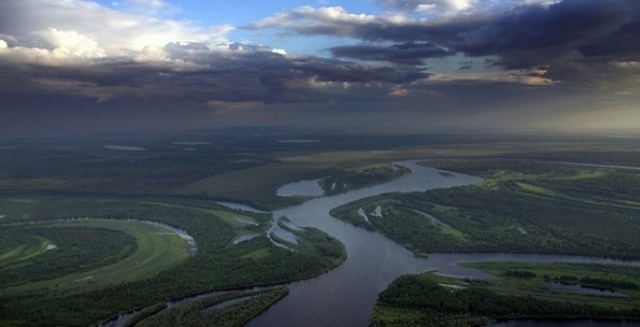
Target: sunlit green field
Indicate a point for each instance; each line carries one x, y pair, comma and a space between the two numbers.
157, 249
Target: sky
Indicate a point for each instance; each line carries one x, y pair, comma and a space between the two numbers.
83, 66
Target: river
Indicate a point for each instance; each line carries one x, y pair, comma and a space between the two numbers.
346, 295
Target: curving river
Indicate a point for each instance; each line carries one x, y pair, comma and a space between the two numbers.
346, 295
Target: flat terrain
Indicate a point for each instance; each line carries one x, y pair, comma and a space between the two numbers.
157, 249
59, 269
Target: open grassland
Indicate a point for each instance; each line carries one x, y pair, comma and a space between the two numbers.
522, 206
20, 247
522, 292
34, 254
156, 249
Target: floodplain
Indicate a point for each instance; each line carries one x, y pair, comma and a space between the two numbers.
75, 249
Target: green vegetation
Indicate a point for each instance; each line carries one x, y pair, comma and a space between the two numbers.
432, 300
145, 313
258, 185
218, 264
45, 253
521, 207
156, 249
316, 243
205, 312
540, 277
358, 177
45, 183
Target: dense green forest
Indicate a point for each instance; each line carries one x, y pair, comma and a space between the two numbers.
524, 290
208, 312
348, 179
421, 301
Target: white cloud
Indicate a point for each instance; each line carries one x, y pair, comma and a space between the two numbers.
328, 20
72, 43
85, 29
421, 6
149, 3
309, 15
426, 7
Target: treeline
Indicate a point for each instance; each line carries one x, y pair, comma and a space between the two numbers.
203, 312
520, 274
145, 313
79, 171
432, 304
593, 282
488, 167
359, 177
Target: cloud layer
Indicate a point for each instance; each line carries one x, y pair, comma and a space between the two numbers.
418, 53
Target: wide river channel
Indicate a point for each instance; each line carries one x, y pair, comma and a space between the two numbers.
346, 295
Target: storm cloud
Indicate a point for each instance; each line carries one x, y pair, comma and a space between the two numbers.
409, 53
523, 36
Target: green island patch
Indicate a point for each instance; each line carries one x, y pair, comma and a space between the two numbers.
522, 292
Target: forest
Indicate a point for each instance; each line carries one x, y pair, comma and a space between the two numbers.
419, 300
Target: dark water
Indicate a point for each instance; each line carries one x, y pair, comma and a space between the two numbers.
580, 289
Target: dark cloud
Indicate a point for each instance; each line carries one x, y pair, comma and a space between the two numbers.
409, 53
203, 76
535, 35
58, 58
520, 37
